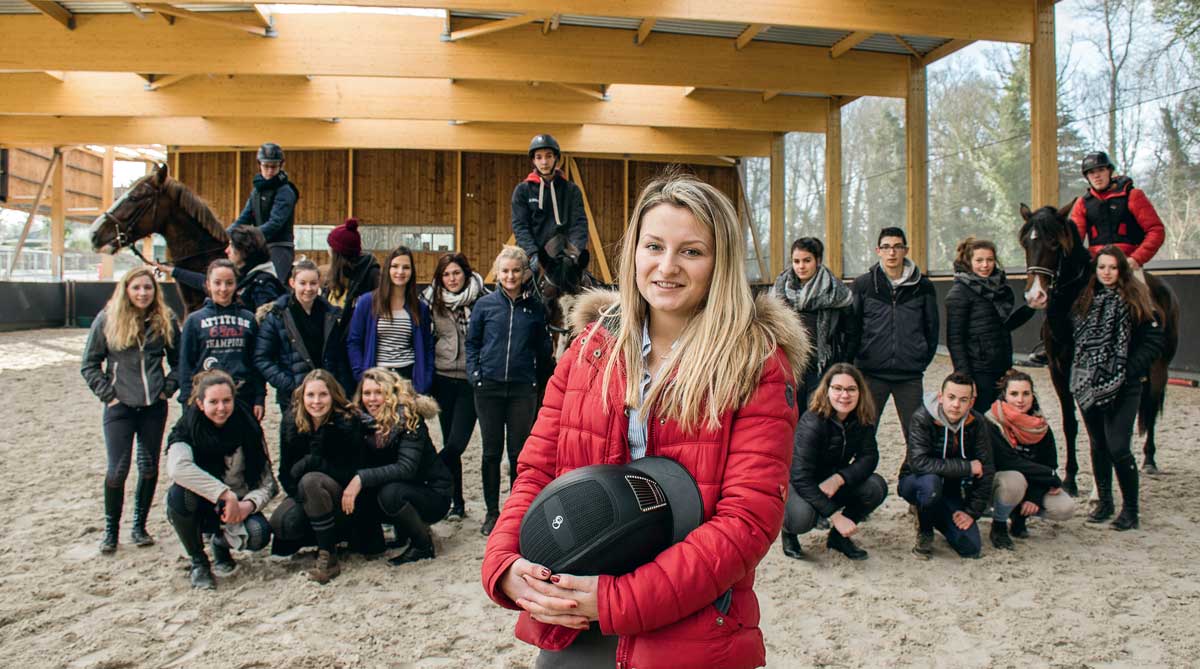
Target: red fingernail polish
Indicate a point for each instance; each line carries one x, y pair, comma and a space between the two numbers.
545, 572
555, 578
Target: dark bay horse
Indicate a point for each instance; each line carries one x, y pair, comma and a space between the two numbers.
158, 203
1059, 266
562, 274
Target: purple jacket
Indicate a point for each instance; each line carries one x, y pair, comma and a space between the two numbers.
360, 342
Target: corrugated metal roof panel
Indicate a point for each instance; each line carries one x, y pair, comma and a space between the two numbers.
619, 22
703, 28
802, 36
882, 43
16, 7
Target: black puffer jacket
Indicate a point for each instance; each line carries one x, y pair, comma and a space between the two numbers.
827, 446
362, 277
1038, 463
893, 331
280, 355
978, 339
408, 455
337, 448
935, 448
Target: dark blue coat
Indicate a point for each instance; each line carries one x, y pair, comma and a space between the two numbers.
508, 341
282, 359
216, 337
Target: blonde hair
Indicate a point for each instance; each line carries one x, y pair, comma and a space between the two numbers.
722, 370
125, 326
511, 253
399, 401
304, 421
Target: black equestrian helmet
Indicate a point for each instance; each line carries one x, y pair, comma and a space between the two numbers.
611, 519
544, 141
1097, 159
270, 153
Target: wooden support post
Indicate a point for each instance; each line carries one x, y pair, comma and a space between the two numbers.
833, 188
148, 240
58, 217
916, 152
594, 241
778, 243
237, 186
625, 192
1043, 114
174, 158
106, 200
349, 183
748, 212
458, 200
55, 158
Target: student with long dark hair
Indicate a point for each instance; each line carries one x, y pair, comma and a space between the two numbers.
351, 273
1027, 481
507, 346
221, 478
402, 474
247, 250
980, 318
323, 447
656, 372
833, 464
123, 360
221, 335
823, 303
451, 297
390, 326
1117, 339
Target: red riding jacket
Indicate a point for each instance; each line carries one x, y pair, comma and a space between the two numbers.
1122, 216
663, 611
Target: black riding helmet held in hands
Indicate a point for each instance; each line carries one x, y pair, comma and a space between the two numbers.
1094, 160
270, 153
611, 519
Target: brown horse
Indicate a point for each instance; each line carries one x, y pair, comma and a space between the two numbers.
1058, 267
158, 203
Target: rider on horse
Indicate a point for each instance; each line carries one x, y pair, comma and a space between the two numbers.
533, 225
272, 207
1114, 212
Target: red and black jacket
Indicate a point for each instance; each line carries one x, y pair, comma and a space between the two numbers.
1120, 215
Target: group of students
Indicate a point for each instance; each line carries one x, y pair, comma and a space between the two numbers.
652, 371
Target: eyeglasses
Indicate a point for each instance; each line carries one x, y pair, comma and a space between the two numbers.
847, 390
897, 248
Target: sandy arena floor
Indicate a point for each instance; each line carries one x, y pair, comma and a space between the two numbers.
1072, 595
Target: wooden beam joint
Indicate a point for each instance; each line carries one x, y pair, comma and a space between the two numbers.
848, 42
164, 9
55, 11
496, 26
748, 34
643, 31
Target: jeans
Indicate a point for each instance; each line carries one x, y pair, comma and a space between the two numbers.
908, 395
856, 503
936, 507
506, 413
456, 397
121, 424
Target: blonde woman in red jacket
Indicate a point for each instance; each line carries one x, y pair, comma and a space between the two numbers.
682, 362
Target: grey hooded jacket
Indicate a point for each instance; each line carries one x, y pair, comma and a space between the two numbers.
135, 375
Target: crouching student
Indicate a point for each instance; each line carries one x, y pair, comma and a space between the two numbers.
323, 447
833, 464
947, 474
403, 476
221, 478
1027, 481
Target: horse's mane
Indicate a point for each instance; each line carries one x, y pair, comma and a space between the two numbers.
195, 206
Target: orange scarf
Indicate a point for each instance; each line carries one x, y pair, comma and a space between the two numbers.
1018, 427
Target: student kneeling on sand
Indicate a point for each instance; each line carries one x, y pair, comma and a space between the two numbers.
1027, 481
948, 471
833, 464
221, 478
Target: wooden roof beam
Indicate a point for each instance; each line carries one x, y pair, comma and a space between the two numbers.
551, 23
210, 18
54, 11
688, 90
944, 50
378, 134
748, 34
950, 19
585, 90
910, 48
643, 31
848, 42
767, 96
408, 46
159, 82
495, 26
262, 15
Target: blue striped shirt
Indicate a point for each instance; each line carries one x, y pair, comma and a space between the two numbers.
638, 431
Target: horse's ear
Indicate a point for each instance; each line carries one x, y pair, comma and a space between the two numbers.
1066, 210
1025, 212
160, 175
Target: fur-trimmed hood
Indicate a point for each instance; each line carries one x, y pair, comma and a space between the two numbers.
771, 313
427, 407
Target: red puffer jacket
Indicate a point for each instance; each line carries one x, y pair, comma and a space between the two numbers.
663, 611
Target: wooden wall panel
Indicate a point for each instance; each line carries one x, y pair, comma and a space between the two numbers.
424, 261
319, 175
213, 176
642, 172
82, 176
404, 187
602, 182
488, 182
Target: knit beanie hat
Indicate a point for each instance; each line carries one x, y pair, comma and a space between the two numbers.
344, 239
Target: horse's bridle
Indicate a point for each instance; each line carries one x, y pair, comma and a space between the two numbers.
125, 230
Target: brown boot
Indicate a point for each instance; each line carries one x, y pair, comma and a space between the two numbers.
326, 569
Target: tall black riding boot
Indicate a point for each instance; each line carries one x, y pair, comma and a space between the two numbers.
114, 500
1017, 526
420, 546
189, 536
1102, 475
1127, 477
141, 510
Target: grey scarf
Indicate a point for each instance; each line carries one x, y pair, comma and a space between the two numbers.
994, 288
823, 294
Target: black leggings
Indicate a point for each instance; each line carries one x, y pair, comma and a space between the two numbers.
392, 497
506, 413
121, 424
1110, 431
456, 398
